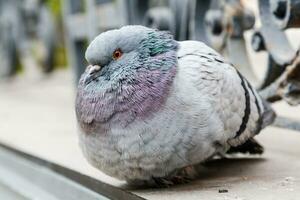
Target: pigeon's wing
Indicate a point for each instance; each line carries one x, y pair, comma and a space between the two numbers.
233, 99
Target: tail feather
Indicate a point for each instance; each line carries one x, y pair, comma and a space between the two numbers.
268, 115
251, 146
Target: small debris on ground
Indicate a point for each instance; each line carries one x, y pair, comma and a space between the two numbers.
223, 190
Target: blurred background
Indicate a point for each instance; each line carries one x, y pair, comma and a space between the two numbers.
40, 36
42, 46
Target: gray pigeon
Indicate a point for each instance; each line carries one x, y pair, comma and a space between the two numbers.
150, 108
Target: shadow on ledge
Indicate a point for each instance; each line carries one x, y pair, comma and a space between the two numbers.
216, 173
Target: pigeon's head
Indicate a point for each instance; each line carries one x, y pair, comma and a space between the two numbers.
127, 50
128, 67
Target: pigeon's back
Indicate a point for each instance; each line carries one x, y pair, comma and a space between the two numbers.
236, 106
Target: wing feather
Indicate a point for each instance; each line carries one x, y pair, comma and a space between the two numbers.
218, 82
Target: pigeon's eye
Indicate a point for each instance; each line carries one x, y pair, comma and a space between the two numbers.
117, 54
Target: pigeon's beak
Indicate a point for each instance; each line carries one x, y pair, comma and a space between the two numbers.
91, 72
92, 69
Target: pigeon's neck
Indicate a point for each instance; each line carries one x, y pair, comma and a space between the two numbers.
147, 96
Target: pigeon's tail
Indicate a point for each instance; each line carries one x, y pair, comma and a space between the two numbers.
250, 145
268, 115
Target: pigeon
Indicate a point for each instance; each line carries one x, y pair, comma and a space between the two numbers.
150, 108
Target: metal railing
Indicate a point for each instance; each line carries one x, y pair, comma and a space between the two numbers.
21, 22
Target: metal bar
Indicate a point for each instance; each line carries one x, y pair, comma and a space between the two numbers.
275, 40
8, 193
36, 178
91, 19
136, 11
197, 20
287, 123
286, 13
75, 42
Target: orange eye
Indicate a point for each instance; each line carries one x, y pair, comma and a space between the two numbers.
117, 54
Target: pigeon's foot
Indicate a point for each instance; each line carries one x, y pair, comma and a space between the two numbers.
181, 176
